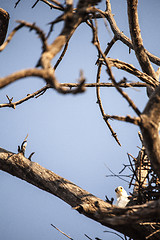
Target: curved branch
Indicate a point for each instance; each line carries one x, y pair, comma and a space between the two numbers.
31, 26
131, 103
79, 199
99, 101
45, 74
4, 81
137, 39
120, 35
58, 7
131, 69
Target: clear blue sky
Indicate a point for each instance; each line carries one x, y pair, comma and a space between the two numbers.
67, 133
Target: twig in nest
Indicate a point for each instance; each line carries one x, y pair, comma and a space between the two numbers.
116, 175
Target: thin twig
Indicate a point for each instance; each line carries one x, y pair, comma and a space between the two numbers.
104, 84
119, 34
134, 120
58, 7
61, 232
116, 175
147, 237
87, 236
125, 95
31, 26
132, 70
98, 89
41, 91
101, 107
35, 3
62, 55
17, 3
29, 96
134, 172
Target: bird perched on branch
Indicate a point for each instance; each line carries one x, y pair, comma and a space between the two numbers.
122, 197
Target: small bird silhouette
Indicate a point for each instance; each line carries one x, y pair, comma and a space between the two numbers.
122, 197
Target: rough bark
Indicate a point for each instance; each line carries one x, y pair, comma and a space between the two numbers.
4, 20
79, 199
137, 39
131, 220
150, 130
137, 42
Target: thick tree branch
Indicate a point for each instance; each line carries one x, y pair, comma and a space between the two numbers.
150, 130
4, 81
45, 74
79, 199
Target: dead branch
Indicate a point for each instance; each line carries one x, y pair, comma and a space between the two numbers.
131, 103
56, 4
150, 130
101, 107
119, 34
79, 199
129, 119
137, 39
41, 91
138, 42
131, 69
61, 232
31, 26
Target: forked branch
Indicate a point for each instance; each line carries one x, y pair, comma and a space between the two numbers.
137, 41
79, 199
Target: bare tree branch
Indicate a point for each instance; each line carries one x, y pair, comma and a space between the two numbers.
61, 232
41, 91
79, 199
134, 120
120, 35
131, 69
58, 7
131, 103
31, 26
133, 221
150, 130
138, 42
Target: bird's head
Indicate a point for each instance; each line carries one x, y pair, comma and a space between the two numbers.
120, 192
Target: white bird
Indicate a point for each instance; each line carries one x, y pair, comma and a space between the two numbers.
122, 197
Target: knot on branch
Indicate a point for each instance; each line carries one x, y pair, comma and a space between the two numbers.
11, 104
79, 208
